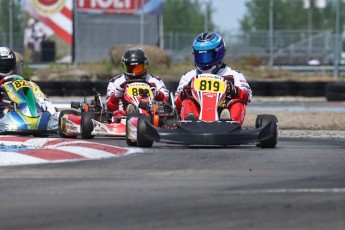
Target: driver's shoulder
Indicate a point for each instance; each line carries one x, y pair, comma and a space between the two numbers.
118, 79
150, 77
189, 75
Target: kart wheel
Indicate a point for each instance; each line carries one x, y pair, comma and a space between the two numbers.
272, 121
141, 141
61, 124
86, 125
128, 141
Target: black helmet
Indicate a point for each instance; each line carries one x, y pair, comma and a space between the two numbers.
134, 63
7, 61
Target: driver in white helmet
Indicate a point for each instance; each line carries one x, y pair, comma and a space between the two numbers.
11, 63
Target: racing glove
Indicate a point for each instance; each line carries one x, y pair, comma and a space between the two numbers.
186, 92
112, 103
231, 89
158, 94
118, 114
153, 89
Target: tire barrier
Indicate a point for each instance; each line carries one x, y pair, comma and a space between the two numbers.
55, 88
100, 86
81, 88
284, 88
260, 88
333, 91
312, 89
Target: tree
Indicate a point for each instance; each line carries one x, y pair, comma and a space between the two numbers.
17, 21
289, 14
185, 16
183, 20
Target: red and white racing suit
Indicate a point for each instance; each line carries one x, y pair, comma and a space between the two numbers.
115, 93
236, 104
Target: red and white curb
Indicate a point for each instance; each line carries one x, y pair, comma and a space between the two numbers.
16, 150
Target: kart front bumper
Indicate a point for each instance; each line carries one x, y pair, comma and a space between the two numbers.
207, 133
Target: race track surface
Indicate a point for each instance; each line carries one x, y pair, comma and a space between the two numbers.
298, 185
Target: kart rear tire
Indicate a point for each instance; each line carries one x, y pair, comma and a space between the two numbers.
62, 113
263, 120
86, 125
128, 141
141, 140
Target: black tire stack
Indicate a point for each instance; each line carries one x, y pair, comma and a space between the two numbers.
335, 91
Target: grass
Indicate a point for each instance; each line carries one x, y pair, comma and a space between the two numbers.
252, 71
306, 120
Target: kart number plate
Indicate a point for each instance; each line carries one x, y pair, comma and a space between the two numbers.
210, 85
18, 84
134, 90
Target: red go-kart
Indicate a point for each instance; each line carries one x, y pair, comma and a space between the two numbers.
93, 119
209, 91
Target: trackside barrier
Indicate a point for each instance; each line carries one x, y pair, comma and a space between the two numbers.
333, 91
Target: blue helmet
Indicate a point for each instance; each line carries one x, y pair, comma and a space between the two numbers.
209, 51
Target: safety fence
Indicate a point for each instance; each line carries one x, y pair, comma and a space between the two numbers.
333, 91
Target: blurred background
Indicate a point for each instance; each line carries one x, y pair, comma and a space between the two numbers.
294, 35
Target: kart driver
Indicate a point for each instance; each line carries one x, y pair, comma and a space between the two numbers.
134, 65
209, 51
11, 63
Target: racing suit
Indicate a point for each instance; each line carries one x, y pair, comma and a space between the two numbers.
17, 70
115, 93
238, 96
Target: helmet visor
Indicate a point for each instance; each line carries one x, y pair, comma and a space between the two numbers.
7, 65
204, 60
135, 69
204, 57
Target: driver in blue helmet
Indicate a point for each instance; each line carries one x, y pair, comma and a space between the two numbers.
209, 51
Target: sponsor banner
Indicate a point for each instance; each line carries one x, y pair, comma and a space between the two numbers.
120, 6
55, 14
47, 20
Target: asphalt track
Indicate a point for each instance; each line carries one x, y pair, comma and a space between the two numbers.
298, 185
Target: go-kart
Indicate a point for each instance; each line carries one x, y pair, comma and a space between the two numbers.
87, 119
93, 119
209, 91
26, 109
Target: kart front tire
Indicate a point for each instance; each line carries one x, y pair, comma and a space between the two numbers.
86, 125
141, 140
272, 121
61, 124
128, 141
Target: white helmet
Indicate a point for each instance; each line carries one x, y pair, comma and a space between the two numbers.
7, 61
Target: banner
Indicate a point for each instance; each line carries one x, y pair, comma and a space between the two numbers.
48, 22
120, 6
